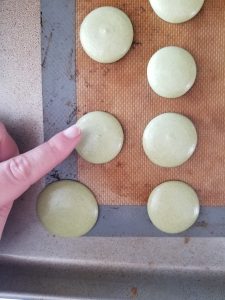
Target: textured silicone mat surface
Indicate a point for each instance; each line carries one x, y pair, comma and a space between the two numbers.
122, 89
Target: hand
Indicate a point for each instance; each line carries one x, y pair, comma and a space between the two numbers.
19, 172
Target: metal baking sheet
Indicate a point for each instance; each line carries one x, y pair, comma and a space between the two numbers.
59, 103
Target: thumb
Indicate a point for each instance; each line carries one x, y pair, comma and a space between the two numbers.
19, 173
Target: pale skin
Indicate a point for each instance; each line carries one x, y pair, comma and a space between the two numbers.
19, 171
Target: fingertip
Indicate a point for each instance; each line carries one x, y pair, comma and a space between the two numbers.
72, 132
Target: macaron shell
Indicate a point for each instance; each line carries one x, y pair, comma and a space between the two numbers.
176, 11
67, 208
106, 34
101, 137
171, 72
173, 206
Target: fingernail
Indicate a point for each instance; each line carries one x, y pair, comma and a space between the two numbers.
72, 132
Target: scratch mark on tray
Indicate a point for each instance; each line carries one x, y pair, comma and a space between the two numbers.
46, 51
201, 224
186, 240
41, 20
69, 72
55, 174
71, 116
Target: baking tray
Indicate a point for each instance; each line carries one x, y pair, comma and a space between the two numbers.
59, 105
36, 265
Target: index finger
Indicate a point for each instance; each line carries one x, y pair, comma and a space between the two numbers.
19, 173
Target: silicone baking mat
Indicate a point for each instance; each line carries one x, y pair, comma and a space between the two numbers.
122, 89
